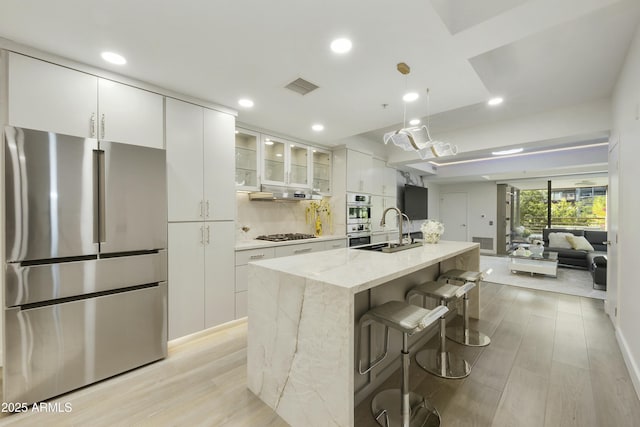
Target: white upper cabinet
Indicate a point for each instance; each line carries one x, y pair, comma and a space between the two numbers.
285, 163
53, 98
247, 159
383, 179
219, 153
185, 172
200, 163
321, 170
359, 172
130, 115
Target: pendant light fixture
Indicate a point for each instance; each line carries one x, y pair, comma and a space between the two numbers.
417, 138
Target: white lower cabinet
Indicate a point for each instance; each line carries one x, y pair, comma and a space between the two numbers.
243, 257
201, 276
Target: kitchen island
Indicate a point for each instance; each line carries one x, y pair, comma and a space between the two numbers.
302, 314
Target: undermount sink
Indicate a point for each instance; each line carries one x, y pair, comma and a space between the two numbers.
389, 247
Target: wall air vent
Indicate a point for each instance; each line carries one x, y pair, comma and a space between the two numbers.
485, 242
301, 86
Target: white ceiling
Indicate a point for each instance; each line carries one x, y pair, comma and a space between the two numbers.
537, 54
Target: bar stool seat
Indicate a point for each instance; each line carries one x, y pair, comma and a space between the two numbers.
399, 407
439, 361
464, 334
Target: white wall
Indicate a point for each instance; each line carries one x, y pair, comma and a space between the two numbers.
626, 130
482, 200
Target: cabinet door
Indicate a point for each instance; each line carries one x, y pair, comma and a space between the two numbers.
299, 165
377, 176
377, 207
219, 166
321, 168
359, 172
247, 159
219, 283
389, 182
273, 161
129, 115
48, 97
186, 278
185, 176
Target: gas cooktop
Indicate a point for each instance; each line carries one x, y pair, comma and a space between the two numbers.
286, 236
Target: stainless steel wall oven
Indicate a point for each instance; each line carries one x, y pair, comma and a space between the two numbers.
358, 219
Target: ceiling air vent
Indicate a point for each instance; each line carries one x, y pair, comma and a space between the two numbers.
301, 86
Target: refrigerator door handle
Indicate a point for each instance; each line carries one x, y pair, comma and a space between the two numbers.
99, 230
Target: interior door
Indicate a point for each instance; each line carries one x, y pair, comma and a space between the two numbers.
49, 195
134, 209
453, 214
612, 233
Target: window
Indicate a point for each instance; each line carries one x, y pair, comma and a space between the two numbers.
579, 207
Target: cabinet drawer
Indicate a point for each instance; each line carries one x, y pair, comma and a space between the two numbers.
335, 244
244, 257
303, 248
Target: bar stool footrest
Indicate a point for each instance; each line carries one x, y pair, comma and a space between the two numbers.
443, 364
385, 407
472, 338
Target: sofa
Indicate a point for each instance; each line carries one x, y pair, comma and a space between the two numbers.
574, 257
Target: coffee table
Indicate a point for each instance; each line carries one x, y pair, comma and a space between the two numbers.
545, 264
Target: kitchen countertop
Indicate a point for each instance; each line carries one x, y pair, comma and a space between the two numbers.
242, 245
358, 270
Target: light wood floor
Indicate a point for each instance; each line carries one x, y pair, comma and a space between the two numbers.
553, 361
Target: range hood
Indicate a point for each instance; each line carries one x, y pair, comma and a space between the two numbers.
273, 192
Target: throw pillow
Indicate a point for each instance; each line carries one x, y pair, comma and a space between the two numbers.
559, 240
580, 243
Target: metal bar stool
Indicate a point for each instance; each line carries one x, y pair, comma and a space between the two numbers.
399, 407
464, 334
438, 361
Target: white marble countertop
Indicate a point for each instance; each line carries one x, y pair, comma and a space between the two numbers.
242, 245
358, 270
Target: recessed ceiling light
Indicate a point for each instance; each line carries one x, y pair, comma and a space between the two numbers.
414, 122
113, 58
278, 154
495, 101
341, 45
244, 102
317, 127
410, 97
268, 142
507, 152
237, 132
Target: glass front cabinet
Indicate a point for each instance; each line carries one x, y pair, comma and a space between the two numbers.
285, 163
321, 171
247, 160
264, 159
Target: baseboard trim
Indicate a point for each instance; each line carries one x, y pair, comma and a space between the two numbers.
634, 372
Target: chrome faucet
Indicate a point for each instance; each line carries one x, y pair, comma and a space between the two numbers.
399, 213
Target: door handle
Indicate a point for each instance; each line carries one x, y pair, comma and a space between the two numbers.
102, 126
301, 251
207, 211
202, 235
201, 208
92, 125
208, 235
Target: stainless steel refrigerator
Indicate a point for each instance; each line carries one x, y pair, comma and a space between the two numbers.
85, 293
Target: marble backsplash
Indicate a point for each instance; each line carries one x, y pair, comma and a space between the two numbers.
269, 217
